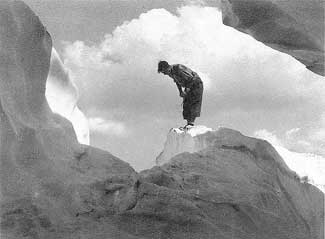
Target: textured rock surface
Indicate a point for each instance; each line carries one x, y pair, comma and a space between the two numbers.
53, 187
295, 27
47, 177
245, 180
178, 142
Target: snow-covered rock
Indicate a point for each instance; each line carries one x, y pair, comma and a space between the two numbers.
179, 141
46, 176
200, 137
243, 186
295, 27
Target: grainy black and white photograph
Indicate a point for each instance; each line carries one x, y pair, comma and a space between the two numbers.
162, 119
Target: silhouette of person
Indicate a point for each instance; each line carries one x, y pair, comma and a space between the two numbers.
185, 78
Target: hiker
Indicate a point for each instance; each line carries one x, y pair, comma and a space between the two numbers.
185, 78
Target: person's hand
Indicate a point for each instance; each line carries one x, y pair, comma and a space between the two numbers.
182, 94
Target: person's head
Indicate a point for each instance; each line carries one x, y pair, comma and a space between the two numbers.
164, 67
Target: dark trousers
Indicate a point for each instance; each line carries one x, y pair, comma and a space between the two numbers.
192, 102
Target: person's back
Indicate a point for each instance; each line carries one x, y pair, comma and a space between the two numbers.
184, 75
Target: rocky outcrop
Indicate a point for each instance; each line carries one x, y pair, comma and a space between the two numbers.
47, 177
295, 27
242, 185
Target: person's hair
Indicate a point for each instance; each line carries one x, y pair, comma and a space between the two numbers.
162, 65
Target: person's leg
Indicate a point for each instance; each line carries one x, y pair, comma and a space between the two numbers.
195, 103
186, 110
190, 121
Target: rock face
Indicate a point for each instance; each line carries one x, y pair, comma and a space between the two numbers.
230, 186
295, 27
47, 177
242, 185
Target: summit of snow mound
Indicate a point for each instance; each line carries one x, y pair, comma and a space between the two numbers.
201, 137
179, 141
193, 131
250, 186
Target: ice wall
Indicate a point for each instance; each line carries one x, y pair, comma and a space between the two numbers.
295, 27
62, 96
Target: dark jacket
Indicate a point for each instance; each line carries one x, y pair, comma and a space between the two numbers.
184, 76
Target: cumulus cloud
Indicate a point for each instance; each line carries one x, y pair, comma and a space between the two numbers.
269, 136
194, 2
104, 126
248, 73
247, 84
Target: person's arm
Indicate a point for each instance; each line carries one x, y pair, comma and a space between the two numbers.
179, 87
176, 70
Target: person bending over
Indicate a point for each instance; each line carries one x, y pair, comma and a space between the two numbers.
190, 87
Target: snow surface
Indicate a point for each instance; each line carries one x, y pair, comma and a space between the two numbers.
193, 131
201, 137
223, 165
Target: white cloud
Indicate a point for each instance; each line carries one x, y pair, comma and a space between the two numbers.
269, 136
292, 132
104, 126
248, 73
247, 84
194, 2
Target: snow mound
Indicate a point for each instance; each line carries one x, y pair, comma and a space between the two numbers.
224, 167
179, 141
46, 177
202, 137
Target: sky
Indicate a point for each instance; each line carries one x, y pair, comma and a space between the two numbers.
112, 48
